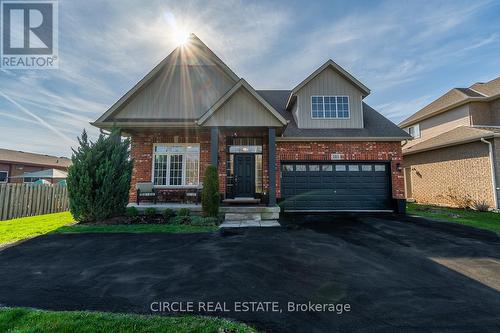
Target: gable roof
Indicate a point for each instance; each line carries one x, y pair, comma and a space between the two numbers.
455, 97
456, 136
21, 157
193, 42
329, 64
240, 84
489, 88
377, 127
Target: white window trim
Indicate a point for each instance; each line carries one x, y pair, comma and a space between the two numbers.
336, 118
168, 166
6, 177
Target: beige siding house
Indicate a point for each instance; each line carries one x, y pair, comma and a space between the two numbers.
455, 154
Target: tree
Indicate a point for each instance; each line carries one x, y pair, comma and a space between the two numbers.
99, 178
210, 195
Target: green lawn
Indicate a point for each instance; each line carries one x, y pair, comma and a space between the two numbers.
482, 220
20, 320
27, 227
171, 228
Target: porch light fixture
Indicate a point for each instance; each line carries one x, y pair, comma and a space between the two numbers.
398, 167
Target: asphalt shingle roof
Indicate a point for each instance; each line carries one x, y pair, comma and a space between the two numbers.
478, 91
22, 157
376, 125
459, 135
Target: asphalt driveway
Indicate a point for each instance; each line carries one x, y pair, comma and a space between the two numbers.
394, 273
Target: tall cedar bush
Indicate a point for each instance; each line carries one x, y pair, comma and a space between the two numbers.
99, 178
210, 194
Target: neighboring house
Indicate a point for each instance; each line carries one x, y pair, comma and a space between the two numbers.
455, 154
316, 147
52, 176
15, 164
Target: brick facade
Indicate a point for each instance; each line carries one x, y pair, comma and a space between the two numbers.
142, 153
458, 171
351, 151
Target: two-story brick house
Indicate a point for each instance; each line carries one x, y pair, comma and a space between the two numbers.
317, 147
455, 153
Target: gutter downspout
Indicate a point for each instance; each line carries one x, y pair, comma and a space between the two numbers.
493, 175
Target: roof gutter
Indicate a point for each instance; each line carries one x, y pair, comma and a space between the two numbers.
297, 138
493, 175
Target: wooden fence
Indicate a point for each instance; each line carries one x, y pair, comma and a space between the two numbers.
19, 200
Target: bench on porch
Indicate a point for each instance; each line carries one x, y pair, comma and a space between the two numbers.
148, 192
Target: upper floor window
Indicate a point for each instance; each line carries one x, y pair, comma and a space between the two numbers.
329, 107
414, 131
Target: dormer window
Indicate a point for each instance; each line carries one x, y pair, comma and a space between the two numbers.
330, 107
414, 131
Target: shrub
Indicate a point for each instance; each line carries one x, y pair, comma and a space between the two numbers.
132, 212
204, 221
210, 194
150, 211
480, 205
99, 177
184, 212
186, 219
168, 213
459, 200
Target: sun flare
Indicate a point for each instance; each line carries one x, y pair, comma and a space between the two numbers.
180, 37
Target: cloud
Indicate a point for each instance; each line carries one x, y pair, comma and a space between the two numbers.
394, 47
399, 110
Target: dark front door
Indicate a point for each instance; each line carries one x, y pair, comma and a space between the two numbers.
244, 175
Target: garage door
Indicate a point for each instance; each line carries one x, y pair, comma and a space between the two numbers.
313, 186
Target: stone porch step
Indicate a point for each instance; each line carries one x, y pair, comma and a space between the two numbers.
249, 224
238, 201
242, 216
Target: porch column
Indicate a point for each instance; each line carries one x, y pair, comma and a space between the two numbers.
214, 146
272, 166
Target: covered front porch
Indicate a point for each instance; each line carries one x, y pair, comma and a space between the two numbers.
173, 162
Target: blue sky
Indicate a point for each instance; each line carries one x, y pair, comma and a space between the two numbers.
407, 52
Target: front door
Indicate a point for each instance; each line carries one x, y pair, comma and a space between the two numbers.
244, 175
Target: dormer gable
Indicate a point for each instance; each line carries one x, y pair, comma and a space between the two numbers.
328, 98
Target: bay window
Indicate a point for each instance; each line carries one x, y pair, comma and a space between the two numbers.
176, 165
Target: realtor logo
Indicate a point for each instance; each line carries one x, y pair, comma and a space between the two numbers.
29, 34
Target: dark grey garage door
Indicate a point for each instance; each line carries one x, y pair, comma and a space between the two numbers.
335, 186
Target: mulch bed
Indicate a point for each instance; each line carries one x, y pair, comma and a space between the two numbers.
142, 219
